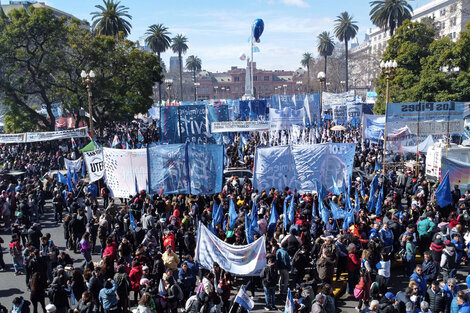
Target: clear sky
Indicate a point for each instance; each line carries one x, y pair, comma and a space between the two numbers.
218, 30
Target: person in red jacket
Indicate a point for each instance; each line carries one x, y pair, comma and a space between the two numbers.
169, 239
111, 249
353, 265
135, 277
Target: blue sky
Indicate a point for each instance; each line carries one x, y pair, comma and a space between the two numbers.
218, 30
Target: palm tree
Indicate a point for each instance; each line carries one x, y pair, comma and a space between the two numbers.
306, 61
193, 63
180, 46
112, 19
158, 40
326, 46
390, 13
345, 30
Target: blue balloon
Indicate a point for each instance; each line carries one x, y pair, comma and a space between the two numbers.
258, 27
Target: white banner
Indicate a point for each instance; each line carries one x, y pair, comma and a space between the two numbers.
126, 171
285, 118
44, 136
94, 164
248, 260
12, 138
60, 134
73, 165
239, 126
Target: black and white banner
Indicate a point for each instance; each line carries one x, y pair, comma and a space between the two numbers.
44, 136
94, 164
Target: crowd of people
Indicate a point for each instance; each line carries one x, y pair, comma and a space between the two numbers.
138, 253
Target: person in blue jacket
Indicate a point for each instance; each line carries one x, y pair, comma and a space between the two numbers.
108, 298
419, 278
464, 306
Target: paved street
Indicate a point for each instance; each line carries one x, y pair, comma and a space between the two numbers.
12, 286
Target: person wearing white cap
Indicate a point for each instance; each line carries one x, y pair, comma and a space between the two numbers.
50, 308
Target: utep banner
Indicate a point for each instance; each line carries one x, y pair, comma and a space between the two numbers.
206, 166
247, 260
94, 164
185, 168
373, 127
168, 171
299, 166
126, 171
285, 118
459, 172
44, 136
409, 122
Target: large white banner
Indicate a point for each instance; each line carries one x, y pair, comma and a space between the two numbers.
239, 126
126, 171
44, 136
248, 260
94, 164
286, 117
61, 134
73, 165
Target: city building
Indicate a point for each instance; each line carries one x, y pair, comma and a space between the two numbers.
448, 17
231, 84
26, 4
175, 65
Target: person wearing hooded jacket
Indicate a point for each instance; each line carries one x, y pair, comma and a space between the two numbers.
448, 260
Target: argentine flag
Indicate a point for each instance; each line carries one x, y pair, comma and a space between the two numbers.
244, 300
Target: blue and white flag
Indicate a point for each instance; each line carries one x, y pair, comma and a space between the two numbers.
291, 211
337, 212
244, 300
290, 306
272, 220
380, 199
443, 192
132, 220
232, 213
61, 178
335, 187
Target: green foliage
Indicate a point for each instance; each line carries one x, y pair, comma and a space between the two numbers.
41, 57
17, 121
111, 20
428, 69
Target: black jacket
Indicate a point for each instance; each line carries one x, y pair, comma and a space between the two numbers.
437, 301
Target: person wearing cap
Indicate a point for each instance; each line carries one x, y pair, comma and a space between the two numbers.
317, 306
386, 305
50, 308
448, 260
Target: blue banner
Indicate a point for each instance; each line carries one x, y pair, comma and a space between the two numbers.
373, 127
206, 166
193, 124
216, 113
299, 166
252, 109
168, 172
169, 124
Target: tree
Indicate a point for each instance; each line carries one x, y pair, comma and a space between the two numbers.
325, 47
179, 45
390, 14
158, 40
32, 53
307, 61
41, 57
345, 30
193, 63
111, 20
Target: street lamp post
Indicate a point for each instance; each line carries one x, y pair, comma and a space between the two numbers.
388, 68
88, 79
196, 87
285, 89
321, 78
169, 84
299, 86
